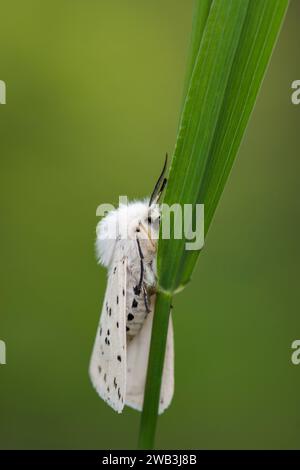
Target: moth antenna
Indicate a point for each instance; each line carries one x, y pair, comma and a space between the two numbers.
160, 184
161, 189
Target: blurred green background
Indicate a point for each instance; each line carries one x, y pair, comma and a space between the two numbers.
93, 98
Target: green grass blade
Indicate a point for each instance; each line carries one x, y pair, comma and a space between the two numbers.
256, 43
201, 12
234, 47
198, 124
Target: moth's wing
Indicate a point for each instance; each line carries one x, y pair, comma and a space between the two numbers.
137, 362
108, 362
167, 386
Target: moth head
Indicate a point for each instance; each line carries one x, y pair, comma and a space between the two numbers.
139, 221
143, 218
147, 227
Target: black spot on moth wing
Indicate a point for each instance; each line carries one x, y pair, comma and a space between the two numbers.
110, 312
127, 328
115, 382
100, 332
117, 324
134, 303
115, 269
136, 290
130, 317
108, 389
117, 299
108, 332
119, 358
123, 293
104, 377
99, 369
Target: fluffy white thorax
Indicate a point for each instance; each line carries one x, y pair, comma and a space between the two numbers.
123, 226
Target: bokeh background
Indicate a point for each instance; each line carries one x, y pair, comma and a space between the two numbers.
94, 90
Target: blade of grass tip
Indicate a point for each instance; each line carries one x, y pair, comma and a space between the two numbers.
262, 26
198, 124
257, 40
200, 15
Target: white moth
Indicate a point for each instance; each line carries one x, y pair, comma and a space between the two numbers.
126, 245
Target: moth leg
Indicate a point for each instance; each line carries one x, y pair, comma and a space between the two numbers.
141, 285
138, 287
146, 301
